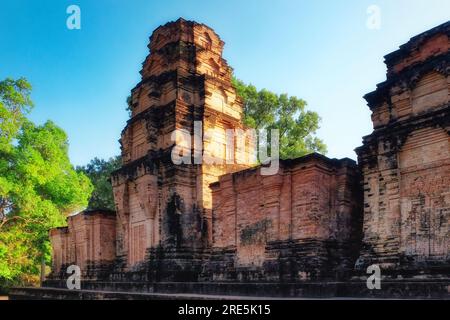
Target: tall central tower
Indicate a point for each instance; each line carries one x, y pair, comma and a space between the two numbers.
162, 205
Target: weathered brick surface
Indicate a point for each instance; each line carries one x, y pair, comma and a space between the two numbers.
88, 242
287, 225
406, 160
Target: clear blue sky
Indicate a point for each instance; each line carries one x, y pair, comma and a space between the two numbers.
321, 51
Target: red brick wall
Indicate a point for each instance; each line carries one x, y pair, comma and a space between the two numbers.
89, 239
310, 199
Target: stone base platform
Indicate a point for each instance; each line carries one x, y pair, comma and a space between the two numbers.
399, 289
66, 294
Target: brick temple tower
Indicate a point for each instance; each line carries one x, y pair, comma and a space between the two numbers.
298, 232
161, 205
406, 160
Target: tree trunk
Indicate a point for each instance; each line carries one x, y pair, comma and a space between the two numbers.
42, 270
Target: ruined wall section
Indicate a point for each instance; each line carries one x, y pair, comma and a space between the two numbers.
303, 223
406, 160
88, 242
61, 251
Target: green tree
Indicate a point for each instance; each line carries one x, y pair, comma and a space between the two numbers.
297, 127
15, 103
129, 107
99, 171
38, 185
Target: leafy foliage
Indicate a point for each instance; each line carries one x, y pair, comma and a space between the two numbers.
38, 185
99, 171
264, 109
129, 107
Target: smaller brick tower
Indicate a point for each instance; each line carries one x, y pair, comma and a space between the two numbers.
406, 161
